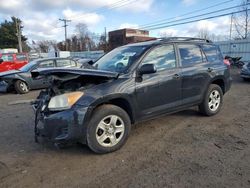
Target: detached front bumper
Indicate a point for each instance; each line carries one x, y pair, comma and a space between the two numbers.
245, 74
61, 127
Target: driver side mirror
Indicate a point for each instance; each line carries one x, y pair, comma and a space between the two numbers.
1, 60
147, 69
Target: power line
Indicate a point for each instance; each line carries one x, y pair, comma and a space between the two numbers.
188, 13
104, 9
196, 16
201, 19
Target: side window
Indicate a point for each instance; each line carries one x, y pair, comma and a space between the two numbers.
46, 64
21, 57
212, 53
190, 54
162, 57
7, 57
65, 63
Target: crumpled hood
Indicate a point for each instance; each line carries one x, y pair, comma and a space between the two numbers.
7, 73
68, 73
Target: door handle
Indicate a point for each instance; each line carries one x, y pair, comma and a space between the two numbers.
176, 76
210, 69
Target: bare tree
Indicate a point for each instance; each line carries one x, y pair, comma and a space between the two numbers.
46, 45
203, 33
242, 21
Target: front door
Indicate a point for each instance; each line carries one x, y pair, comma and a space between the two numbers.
161, 91
42, 82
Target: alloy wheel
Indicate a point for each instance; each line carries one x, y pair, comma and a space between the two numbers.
110, 131
214, 100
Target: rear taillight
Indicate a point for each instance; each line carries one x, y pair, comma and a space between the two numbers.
226, 62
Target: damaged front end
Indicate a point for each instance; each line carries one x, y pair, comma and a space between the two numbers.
60, 112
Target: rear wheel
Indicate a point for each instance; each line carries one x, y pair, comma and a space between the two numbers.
212, 101
108, 129
21, 87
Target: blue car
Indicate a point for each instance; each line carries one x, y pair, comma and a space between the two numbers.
245, 72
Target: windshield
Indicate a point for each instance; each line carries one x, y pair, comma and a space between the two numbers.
119, 59
28, 66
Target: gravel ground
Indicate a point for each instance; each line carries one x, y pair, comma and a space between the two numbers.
184, 149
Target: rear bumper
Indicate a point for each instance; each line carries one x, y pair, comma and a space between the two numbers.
61, 127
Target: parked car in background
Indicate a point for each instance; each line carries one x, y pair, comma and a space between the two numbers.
12, 61
97, 106
245, 72
21, 79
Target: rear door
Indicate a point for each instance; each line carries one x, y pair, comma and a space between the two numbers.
195, 73
161, 91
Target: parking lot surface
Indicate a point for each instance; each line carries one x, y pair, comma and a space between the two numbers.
184, 149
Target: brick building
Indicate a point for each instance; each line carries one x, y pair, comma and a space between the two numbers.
126, 36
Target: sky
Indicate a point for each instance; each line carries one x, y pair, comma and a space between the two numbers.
41, 17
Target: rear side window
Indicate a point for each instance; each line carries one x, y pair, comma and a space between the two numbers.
162, 57
190, 54
212, 53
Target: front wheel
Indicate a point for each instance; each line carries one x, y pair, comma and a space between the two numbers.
108, 129
212, 101
21, 87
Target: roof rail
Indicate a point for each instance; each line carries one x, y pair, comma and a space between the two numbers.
166, 39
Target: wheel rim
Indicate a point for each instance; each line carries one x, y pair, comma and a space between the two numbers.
110, 131
214, 100
24, 87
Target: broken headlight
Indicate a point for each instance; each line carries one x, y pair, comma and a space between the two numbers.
64, 101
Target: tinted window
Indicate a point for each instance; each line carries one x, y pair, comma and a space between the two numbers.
46, 64
162, 57
212, 53
21, 57
190, 54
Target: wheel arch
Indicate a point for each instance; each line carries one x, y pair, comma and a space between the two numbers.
220, 82
117, 100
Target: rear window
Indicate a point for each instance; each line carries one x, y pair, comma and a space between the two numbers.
212, 53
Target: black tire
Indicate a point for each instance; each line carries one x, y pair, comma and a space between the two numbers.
246, 79
204, 106
99, 115
21, 87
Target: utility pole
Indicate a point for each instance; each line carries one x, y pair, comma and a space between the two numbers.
231, 26
65, 30
19, 34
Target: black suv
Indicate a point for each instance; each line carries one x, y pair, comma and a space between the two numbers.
96, 106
